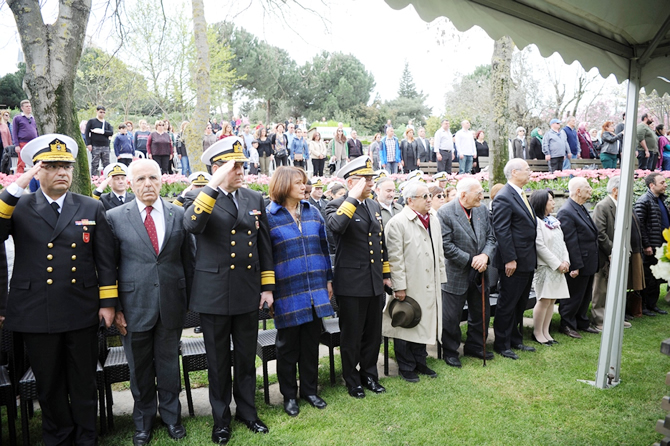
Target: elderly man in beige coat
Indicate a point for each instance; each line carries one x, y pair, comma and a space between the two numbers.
416, 258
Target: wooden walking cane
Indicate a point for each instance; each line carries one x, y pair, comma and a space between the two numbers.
484, 327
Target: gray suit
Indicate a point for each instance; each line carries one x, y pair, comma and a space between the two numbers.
153, 290
461, 243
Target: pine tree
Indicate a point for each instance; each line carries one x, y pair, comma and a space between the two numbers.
407, 88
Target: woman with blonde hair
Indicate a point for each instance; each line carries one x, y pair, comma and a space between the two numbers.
159, 147
338, 149
5, 131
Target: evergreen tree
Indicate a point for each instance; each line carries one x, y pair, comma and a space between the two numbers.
407, 88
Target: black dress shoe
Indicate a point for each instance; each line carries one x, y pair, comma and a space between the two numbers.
373, 385
507, 354
547, 343
648, 313
478, 354
569, 332
357, 392
628, 318
291, 407
221, 435
591, 330
553, 341
523, 348
409, 375
424, 370
140, 438
197, 329
256, 426
176, 431
659, 311
453, 361
316, 401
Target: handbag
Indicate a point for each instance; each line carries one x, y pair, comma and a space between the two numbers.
298, 157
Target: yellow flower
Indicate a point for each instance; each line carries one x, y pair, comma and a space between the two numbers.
666, 234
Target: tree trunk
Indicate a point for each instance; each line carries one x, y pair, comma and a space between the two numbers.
52, 53
229, 102
501, 81
267, 112
196, 129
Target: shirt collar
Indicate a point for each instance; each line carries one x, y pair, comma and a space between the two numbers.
613, 200
157, 206
516, 188
27, 116
60, 199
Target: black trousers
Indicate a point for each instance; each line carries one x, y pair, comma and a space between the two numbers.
452, 308
360, 337
163, 161
298, 346
125, 161
556, 164
217, 331
409, 354
573, 310
652, 286
512, 301
64, 366
281, 160
318, 166
445, 164
300, 164
153, 357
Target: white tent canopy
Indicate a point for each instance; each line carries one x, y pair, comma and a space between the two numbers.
622, 37
605, 34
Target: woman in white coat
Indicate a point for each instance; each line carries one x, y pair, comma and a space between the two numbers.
416, 258
553, 262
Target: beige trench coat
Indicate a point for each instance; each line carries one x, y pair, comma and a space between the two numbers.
417, 265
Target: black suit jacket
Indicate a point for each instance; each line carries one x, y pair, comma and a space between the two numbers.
361, 259
424, 152
355, 148
515, 229
233, 261
110, 200
64, 268
581, 238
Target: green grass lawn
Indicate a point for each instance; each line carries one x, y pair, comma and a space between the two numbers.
536, 400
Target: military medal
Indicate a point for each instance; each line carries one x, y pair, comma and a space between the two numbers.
86, 236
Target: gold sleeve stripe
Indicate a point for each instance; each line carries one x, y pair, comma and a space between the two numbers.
177, 202
267, 277
386, 268
109, 292
347, 209
204, 202
96, 196
6, 210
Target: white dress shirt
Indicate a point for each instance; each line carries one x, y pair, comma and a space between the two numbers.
465, 142
158, 215
443, 141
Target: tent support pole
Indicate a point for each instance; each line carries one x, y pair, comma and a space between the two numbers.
609, 361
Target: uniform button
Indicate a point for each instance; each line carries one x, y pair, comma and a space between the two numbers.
156, 285
74, 257
74, 280
248, 232
49, 269
49, 257
370, 243
369, 234
427, 286
382, 251
248, 266
232, 232
74, 245
372, 261
50, 245
372, 252
380, 234
251, 243
232, 266
380, 242
49, 281
74, 269
232, 243
232, 254
251, 255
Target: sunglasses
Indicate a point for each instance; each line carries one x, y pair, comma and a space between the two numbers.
424, 196
440, 196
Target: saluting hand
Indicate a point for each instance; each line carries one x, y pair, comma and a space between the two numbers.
24, 180
219, 176
357, 191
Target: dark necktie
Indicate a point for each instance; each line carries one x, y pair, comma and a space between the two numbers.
55, 207
151, 228
121, 198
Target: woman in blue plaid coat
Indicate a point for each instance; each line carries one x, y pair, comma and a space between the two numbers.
303, 285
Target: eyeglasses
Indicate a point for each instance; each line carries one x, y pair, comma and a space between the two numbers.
440, 196
56, 167
424, 196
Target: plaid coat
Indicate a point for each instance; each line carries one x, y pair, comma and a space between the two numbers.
302, 265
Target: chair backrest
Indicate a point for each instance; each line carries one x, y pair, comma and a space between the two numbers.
192, 319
